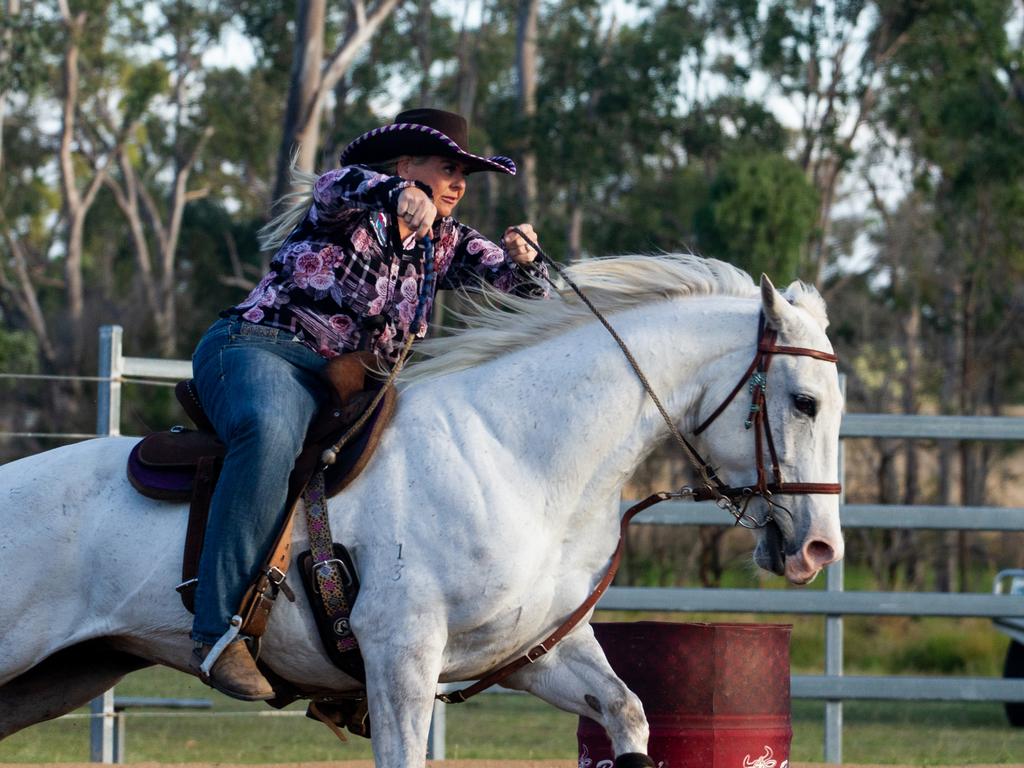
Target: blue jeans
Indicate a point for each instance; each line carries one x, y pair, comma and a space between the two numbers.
260, 387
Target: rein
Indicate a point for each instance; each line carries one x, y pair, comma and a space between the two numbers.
733, 499
330, 455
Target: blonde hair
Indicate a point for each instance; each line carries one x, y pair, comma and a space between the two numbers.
295, 204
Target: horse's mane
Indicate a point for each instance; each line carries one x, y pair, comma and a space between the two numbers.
498, 323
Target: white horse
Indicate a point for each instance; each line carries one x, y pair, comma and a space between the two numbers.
487, 516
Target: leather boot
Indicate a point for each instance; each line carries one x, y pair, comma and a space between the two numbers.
234, 673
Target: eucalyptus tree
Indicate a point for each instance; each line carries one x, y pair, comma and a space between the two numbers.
162, 149
91, 207
315, 74
606, 109
526, 76
953, 99
23, 204
826, 61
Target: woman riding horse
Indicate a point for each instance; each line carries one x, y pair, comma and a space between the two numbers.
347, 275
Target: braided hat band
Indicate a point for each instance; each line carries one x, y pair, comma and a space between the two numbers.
422, 132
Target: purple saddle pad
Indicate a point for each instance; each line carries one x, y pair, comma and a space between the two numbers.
163, 465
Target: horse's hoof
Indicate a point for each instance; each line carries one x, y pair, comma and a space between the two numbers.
633, 760
234, 673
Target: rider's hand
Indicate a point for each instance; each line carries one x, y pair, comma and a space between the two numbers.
417, 210
516, 246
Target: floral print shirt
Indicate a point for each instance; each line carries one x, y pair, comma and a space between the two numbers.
343, 280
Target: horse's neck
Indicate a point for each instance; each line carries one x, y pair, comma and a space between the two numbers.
573, 409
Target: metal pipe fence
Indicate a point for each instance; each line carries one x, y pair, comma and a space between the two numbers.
833, 603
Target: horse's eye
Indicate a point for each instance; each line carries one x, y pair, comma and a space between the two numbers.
806, 404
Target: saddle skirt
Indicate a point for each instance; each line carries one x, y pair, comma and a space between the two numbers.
163, 465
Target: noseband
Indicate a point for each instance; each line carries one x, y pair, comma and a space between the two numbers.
738, 498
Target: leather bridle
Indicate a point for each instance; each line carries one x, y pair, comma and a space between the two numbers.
739, 497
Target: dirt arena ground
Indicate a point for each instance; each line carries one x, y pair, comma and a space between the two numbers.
436, 764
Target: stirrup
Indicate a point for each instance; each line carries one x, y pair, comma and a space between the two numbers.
218, 648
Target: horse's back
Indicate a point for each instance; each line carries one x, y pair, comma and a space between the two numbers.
86, 547
60, 489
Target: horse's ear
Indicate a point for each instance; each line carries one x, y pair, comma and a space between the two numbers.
777, 310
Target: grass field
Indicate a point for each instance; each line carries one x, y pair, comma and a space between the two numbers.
520, 727
501, 727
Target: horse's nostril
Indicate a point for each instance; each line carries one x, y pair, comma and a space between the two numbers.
819, 553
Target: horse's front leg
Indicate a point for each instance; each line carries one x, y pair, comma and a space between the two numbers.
575, 676
402, 669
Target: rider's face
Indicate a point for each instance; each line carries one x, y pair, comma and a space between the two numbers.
444, 175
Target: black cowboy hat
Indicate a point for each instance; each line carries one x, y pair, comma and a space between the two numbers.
422, 132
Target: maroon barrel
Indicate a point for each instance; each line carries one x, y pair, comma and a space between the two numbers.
714, 694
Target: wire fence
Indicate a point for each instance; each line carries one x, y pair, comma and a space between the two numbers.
103, 381
59, 436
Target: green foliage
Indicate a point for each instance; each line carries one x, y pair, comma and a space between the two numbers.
148, 409
243, 108
19, 352
268, 25
141, 85
634, 225
941, 655
947, 651
731, 124
24, 63
950, 93
759, 214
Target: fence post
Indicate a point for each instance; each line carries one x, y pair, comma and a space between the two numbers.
110, 368
108, 422
101, 728
834, 633
119, 734
435, 739
834, 668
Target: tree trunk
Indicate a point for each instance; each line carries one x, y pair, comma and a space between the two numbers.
74, 207
301, 133
526, 69
468, 74
127, 199
26, 296
823, 231
488, 220
76, 202
13, 9
574, 238
423, 49
711, 555
945, 556
312, 80
333, 146
911, 333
